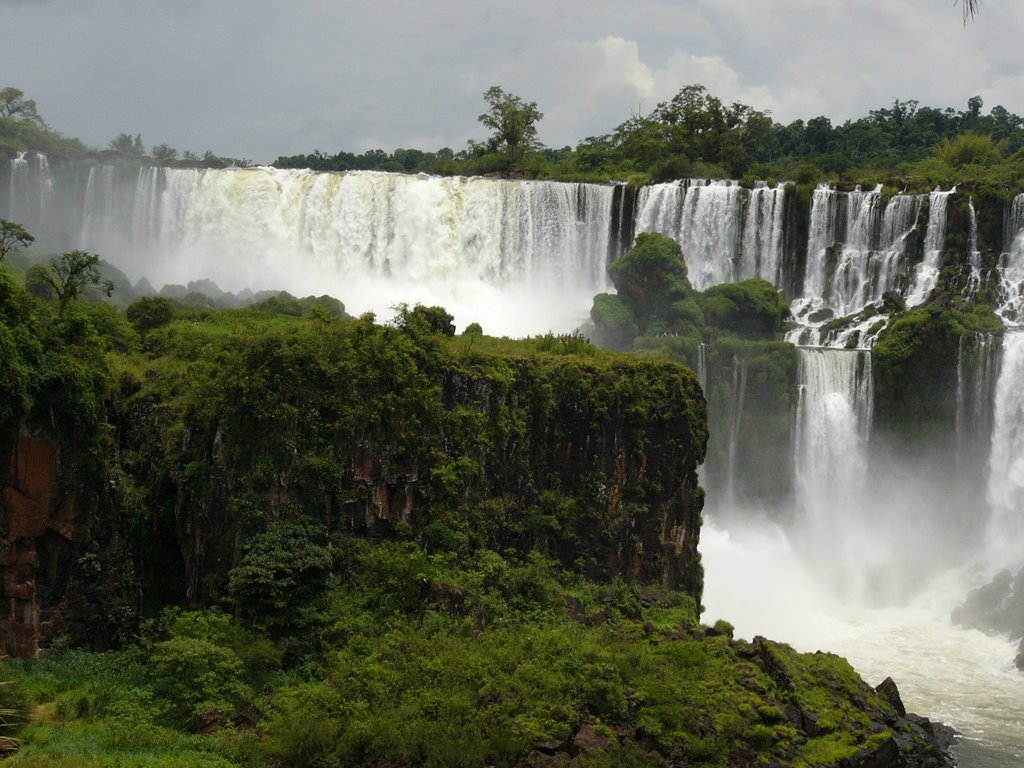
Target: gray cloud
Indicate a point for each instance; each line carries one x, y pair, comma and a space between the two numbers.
257, 78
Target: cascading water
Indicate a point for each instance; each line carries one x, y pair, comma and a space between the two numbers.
761, 252
977, 368
1011, 266
519, 256
702, 365
739, 393
973, 254
858, 569
934, 240
833, 423
857, 250
1006, 462
727, 233
525, 257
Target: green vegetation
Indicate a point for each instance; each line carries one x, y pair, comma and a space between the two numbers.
694, 134
513, 125
435, 659
12, 238
373, 544
656, 311
22, 128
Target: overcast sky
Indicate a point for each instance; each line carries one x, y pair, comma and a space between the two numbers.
261, 78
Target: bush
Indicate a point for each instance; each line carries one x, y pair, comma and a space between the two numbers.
651, 276
150, 312
283, 567
198, 678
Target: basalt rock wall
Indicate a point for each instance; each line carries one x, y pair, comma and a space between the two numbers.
593, 464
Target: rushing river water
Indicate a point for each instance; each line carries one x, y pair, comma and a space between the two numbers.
756, 579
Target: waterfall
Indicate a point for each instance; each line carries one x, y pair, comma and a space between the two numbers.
832, 427
1011, 266
726, 232
1006, 463
702, 365
739, 393
934, 240
519, 256
869, 249
856, 252
29, 171
761, 252
973, 254
976, 371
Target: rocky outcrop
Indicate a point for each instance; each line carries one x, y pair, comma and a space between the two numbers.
901, 740
40, 510
995, 607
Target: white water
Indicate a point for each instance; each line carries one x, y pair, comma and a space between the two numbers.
727, 233
857, 250
758, 579
934, 240
518, 256
527, 257
1011, 266
1006, 464
868, 568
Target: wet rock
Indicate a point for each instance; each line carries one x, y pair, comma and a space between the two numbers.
550, 747
885, 755
1019, 661
997, 606
887, 689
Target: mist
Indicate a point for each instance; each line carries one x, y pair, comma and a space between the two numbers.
878, 545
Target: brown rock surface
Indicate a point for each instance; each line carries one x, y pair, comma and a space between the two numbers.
39, 510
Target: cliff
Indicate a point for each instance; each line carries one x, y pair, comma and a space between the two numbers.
589, 458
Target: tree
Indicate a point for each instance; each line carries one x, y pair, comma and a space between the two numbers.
14, 106
651, 276
72, 273
513, 123
164, 152
12, 237
150, 312
970, 7
128, 144
281, 568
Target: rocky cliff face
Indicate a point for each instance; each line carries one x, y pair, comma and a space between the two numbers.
40, 505
591, 463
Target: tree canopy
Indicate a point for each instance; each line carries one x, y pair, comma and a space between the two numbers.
14, 106
513, 125
72, 273
12, 237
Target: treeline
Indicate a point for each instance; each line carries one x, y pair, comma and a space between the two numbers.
696, 134
23, 129
693, 134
